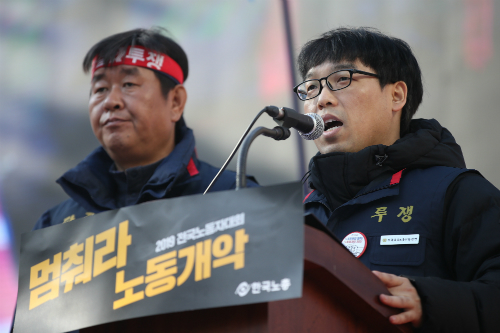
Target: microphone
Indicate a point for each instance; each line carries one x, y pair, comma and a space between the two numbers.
310, 125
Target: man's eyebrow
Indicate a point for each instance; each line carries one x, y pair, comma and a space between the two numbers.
344, 65
97, 77
336, 67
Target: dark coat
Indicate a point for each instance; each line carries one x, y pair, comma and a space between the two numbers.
92, 189
458, 279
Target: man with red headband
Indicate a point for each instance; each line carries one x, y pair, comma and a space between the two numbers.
137, 99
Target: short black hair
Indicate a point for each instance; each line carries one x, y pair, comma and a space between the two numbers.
152, 39
390, 57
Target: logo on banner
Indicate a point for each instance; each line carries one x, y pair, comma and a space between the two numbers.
261, 286
356, 243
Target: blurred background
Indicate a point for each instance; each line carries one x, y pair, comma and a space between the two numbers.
239, 63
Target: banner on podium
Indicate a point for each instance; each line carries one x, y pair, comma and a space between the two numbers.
194, 252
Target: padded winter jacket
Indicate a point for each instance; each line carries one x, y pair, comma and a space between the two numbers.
92, 185
418, 187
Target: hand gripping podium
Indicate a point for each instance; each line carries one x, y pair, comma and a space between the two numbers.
339, 295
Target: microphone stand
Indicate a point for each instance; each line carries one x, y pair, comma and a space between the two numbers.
277, 133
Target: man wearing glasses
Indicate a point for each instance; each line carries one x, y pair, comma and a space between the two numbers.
396, 190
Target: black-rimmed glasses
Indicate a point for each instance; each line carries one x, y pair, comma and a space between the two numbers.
337, 80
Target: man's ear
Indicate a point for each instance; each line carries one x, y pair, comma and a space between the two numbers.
399, 93
177, 98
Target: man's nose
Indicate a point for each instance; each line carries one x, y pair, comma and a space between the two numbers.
326, 97
114, 99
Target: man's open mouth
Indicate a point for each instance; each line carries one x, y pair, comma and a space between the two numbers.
331, 124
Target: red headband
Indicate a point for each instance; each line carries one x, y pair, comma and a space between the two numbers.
142, 57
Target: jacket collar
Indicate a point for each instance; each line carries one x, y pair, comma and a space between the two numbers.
341, 176
90, 184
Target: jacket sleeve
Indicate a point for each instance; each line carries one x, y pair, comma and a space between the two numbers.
44, 221
471, 301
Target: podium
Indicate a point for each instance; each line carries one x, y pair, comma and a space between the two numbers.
340, 294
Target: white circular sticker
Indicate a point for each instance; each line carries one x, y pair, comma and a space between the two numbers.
356, 243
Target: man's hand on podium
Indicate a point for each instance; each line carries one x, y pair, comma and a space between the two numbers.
404, 296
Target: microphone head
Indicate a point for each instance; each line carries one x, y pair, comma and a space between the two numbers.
318, 129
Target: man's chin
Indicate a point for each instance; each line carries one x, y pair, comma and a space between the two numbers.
116, 141
333, 148
117, 148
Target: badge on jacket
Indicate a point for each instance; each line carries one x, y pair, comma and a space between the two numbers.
399, 239
356, 243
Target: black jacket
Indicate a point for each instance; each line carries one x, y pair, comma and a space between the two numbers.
468, 299
94, 187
